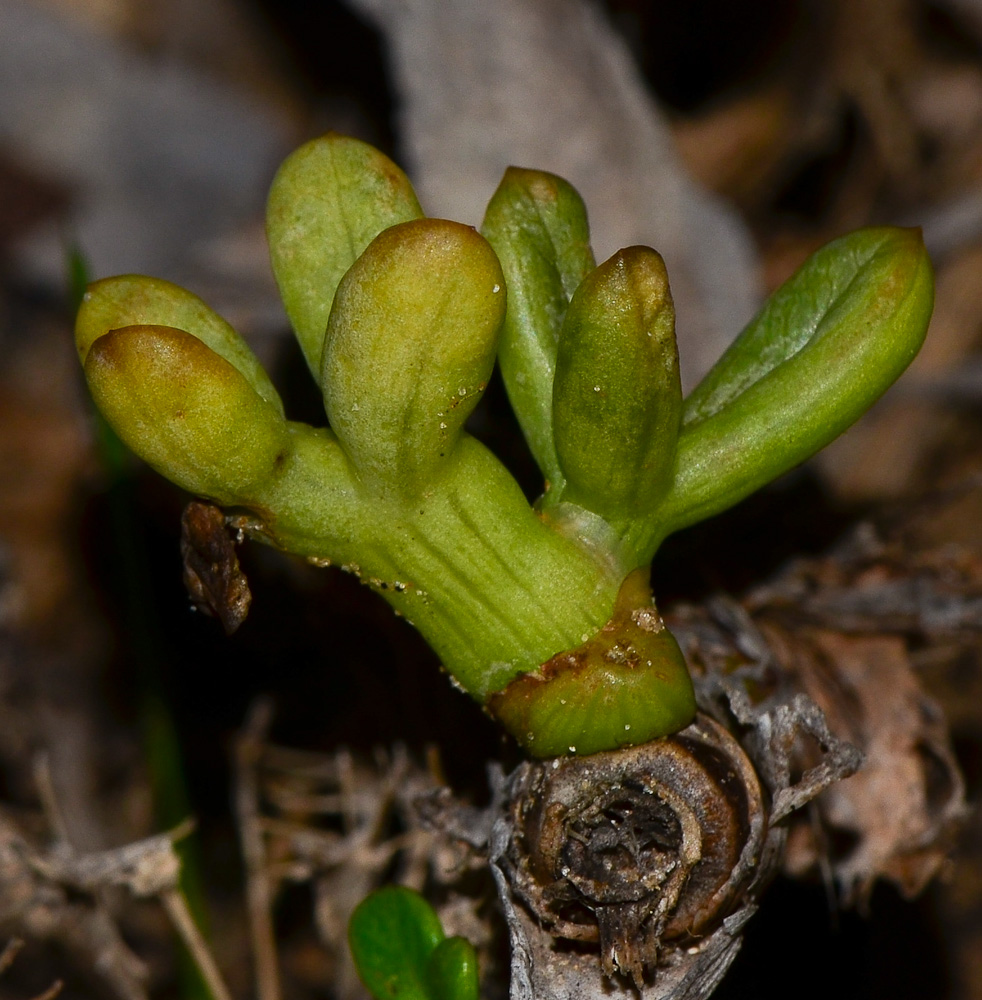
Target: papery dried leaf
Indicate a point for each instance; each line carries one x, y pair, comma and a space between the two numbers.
837, 628
898, 815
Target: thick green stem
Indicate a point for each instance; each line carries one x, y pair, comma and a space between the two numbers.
491, 587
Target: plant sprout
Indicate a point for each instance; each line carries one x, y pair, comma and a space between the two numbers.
402, 953
541, 612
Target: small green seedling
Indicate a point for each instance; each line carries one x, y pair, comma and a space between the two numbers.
401, 952
541, 612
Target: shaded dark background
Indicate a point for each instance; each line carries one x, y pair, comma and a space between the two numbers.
339, 667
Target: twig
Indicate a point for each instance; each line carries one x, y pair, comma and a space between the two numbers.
9, 953
49, 799
148, 868
258, 889
7, 957
52, 991
177, 909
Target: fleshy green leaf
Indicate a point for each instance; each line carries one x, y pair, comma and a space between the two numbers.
617, 398
186, 411
537, 224
328, 201
134, 300
451, 972
823, 349
410, 348
393, 934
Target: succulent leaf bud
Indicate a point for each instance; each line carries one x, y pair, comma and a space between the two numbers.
537, 224
186, 411
617, 398
135, 300
826, 345
328, 201
410, 347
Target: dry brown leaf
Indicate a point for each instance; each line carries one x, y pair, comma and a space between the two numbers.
896, 818
212, 574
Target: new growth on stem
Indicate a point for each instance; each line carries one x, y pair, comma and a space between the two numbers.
543, 613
